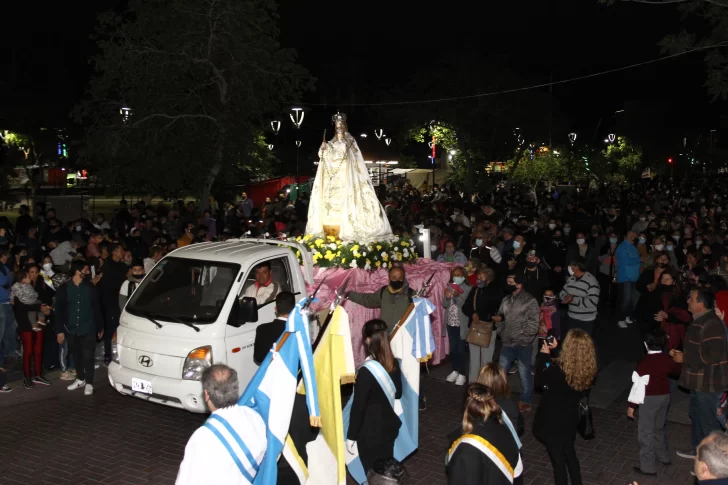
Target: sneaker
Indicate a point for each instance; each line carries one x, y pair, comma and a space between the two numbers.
36, 328
460, 381
688, 454
72, 371
452, 376
76, 384
629, 320
513, 370
5, 388
42, 324
622, 324
89, 390
27, 383
40, 380
68, 376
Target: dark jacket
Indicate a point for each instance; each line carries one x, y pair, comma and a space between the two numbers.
373, 419
591, 257
487, 300
558, 413
519, 324
393, 305
61, 313
114, 275
266, 335
674, 305
468, 465
536, 282
705, 354
20, 311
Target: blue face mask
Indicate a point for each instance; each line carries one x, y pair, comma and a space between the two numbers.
458, 280
613, 240
516, 245
478, 242
643, 240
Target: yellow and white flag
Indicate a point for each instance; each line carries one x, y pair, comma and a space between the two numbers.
334, 366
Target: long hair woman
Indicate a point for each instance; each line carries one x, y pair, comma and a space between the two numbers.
373, 423
666, 306
564, 381
494, 377
487, 452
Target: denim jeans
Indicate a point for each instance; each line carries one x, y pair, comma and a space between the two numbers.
8, 341
65, 357
703, 415
628, 296
457, 350
522, 353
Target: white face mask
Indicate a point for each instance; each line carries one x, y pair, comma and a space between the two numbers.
47, 267
552, 226
433, 248
571, 271
567, 230
670, 248
580, 241
478, 242
516, 245
79, 228
458, 280
659, 247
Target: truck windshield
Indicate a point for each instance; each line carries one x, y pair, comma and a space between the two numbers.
186, 290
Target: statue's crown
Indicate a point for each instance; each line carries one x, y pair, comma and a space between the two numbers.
338, 117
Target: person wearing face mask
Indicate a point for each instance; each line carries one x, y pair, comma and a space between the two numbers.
481, 304
581, 293
583, 249
78, 318
456, 294
555, 259
517, 325
508, 240
628, 270
536, 279
517, 257
642, 247
666, 306
130, 285
393, 300
607, 274
670, 250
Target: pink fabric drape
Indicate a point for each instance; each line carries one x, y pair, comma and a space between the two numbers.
372, 281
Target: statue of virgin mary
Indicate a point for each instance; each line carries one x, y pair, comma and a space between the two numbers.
343, 202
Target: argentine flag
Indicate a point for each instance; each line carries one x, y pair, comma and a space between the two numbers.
271, 391
413, 343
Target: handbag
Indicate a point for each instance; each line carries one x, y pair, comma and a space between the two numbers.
585, 428
479, 333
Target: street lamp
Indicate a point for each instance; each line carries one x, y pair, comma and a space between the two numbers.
297, 119
387, 141
125, 113
572, 138
611, 137
270, 147
379, 133
275, 126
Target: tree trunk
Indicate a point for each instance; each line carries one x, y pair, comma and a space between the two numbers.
210, 179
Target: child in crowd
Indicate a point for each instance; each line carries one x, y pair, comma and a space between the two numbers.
548, 320
471, 271
23, 291
651, 392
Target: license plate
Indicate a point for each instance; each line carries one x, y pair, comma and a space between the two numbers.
141, 385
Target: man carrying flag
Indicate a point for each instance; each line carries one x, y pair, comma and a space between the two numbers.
216, 453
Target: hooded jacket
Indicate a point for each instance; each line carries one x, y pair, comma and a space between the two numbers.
519, 323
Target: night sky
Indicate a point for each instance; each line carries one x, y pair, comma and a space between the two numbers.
367, 52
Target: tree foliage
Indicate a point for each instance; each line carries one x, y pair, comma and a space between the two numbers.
545, 165
201, 78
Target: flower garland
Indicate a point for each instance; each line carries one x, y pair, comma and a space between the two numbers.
330, 252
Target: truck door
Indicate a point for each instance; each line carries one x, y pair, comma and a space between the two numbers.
240, 341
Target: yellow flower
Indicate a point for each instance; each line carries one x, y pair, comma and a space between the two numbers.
399, 256
343, 260
330, 238
378, 264
307, 237
385, 257
298, 239
298, 254
379, 248
316, 257
369, 261
338, 254
319, 242
404, 243
356, 254
355, 248
329, 255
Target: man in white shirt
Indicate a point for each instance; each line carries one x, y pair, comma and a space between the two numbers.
229, 447
265, 289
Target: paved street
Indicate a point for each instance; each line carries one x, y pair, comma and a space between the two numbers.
54, 436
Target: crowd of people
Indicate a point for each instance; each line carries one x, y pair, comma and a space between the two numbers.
535, 272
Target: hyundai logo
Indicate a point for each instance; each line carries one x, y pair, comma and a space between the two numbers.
146, 361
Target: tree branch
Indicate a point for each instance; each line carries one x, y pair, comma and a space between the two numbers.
175, 118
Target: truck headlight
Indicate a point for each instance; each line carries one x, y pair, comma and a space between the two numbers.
196, 362
115, 351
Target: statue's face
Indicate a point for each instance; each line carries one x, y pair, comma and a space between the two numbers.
340, 126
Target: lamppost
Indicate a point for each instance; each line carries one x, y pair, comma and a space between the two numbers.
297, 119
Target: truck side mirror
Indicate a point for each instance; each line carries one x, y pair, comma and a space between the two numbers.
243, 311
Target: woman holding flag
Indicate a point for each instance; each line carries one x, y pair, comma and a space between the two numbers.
374, 425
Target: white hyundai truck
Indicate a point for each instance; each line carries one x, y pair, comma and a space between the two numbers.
189, 312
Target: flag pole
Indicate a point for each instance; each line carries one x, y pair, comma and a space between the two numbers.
411, 307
